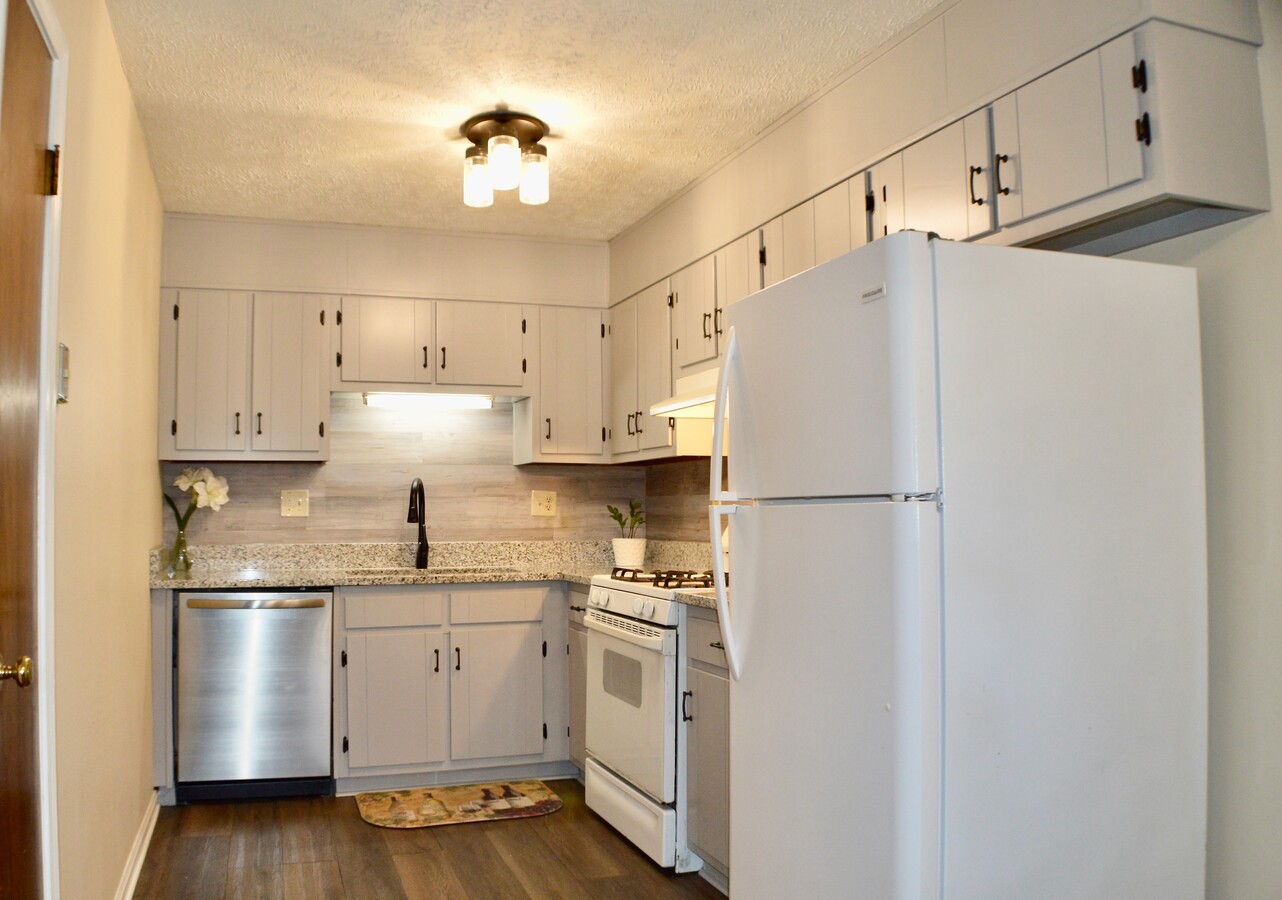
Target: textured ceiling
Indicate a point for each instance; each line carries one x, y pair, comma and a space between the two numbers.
347, 111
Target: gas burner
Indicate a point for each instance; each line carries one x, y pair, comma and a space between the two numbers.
664, 578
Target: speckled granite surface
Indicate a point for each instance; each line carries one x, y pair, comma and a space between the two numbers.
472, 562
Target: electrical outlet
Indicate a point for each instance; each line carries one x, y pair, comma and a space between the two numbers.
543, 503
294, 503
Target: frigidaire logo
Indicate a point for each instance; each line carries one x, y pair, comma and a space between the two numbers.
874, 293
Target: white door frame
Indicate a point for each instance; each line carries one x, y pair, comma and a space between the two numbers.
46, 753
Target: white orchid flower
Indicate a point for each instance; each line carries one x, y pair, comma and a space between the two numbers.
189, 477
215, 493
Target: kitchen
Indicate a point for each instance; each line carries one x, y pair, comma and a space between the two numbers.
105, 309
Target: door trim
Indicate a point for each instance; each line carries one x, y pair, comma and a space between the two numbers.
51, 28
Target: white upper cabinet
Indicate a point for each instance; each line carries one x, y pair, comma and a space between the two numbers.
623, 376
841, 218
386, 340
640, 370
787, 244
291, 343
480, 343
243, 376
570, 384
981, 212
886, 187
696, 317
935, 184
1068, 135
738, 274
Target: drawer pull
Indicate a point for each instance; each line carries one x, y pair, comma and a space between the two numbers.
458, 660
437, 667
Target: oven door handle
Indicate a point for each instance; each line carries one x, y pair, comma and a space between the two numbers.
657, 644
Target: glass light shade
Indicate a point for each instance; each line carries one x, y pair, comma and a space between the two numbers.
534, 175
505, 162
477, 190
428, 401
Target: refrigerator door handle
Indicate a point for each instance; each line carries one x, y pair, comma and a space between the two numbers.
715, 493
715, 514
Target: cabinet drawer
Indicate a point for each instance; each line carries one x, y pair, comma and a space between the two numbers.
392, 606
705, 641
473, 607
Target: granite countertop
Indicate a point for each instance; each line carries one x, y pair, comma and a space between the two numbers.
471, 562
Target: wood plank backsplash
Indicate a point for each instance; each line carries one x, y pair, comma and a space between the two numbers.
474, 493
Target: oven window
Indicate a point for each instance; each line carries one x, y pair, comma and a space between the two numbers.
622, 677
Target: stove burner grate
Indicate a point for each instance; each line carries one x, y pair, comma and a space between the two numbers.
663, 578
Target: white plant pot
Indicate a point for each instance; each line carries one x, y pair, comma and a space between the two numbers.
629, 553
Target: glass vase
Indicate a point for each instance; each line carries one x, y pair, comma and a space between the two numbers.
179, 560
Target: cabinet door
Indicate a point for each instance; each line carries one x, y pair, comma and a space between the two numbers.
396, 698
770, 252
708, 777
290, 399
886, 184
480, 343
737, 273
1053, 137
979, 173
833, 216
578, 695
798, 232
935, 184
654, 367
496, 691
211, 383
387, 339
694, 313
623, 376
570, 379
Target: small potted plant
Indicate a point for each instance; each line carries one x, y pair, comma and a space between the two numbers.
629, 550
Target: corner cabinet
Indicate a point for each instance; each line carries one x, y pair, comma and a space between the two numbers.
640, 373
243, 376
437, 680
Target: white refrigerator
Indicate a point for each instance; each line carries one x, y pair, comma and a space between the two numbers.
967, 622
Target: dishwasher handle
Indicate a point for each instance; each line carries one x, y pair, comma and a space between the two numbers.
249, 603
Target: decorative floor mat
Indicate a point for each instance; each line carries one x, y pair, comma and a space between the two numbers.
421, 807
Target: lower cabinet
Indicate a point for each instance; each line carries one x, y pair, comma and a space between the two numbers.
441, 677
577, 650
708, 742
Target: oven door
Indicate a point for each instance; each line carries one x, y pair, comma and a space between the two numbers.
632, 701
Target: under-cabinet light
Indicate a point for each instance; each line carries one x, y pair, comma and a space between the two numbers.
428, 401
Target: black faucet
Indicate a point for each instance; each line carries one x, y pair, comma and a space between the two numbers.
418, 516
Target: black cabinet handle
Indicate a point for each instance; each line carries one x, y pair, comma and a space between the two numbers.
442, 357
458, 660
549, 435
716, 320
638, 421
975, 170
238, 423
707, 317
685, 713
717, 645
578, 608
425, 356
997, 172
630, 429
260, 423
437, 667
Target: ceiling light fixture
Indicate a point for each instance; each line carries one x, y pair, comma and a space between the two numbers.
505, 154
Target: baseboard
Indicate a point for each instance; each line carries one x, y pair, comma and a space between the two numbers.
138, 853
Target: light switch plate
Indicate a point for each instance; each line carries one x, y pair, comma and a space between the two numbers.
294, 503
543, 503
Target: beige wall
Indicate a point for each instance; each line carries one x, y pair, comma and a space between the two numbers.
107, 504
1240, 285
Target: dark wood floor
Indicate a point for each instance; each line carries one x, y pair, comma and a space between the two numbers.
320, 848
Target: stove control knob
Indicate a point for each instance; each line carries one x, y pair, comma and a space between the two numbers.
647, 608
637, 606
598, 597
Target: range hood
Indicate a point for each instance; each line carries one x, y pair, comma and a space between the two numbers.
694, 399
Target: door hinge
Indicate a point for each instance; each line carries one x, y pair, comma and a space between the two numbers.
344, 658
672, 298
338, 359
567, 649
545, 731
1139, 77
344, 743
338, 317
175, 312
322, 429
173, 426
1143, 130
322, 317
545, 649
522, 367
603, 435
522, 326
870, 202
602, 331
761, 256
53, 170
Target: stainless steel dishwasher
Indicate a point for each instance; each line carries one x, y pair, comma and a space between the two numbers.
252, 694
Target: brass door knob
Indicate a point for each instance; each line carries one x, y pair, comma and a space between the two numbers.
20, 672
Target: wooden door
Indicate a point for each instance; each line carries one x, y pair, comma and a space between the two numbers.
832, 220
694, 314
387, 339
708, 784
570, 382
979, 172
24, 128
797, 232
886, 181
737, 272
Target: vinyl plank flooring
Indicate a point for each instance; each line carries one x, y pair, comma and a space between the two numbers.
305, 848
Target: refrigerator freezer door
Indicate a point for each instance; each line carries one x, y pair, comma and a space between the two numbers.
834, 774
833, 391
1074, 577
